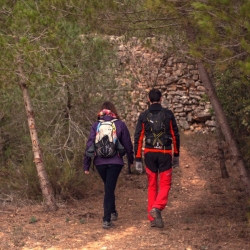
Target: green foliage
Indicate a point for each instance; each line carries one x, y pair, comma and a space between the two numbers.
47, 41
204, 98
68, 181
33, 220
245, 66
14, 137
64, 112
69, 74
82, 221
221, 26
234, 93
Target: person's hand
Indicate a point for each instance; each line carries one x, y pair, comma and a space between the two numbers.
139, 167
176, 161
86, 172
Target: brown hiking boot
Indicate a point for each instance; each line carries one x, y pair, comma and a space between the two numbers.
156, 214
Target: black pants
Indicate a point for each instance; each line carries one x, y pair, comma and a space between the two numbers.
109, 174
158, 161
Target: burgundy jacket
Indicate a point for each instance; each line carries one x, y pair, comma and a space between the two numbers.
124, 138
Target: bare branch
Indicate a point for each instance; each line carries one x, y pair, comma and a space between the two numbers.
37, 38
139, 21
226, 60
155, 28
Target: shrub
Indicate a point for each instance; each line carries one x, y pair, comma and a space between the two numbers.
234, 93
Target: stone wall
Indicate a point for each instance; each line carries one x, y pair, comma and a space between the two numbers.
144, 66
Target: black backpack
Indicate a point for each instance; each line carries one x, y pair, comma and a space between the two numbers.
157, 137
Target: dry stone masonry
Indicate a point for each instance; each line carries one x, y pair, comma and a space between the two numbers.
144, 67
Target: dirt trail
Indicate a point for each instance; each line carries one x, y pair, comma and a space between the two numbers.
204, 212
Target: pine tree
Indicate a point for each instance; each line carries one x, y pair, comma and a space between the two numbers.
43, 43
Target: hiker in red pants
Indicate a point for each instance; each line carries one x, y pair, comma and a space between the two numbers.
161, 153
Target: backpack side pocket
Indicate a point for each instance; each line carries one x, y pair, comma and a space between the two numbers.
90, 152
120, 149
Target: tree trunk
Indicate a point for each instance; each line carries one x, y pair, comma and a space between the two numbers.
225, 128
38, 158
237, 159
223, 168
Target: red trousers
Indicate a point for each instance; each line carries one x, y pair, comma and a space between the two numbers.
159, 185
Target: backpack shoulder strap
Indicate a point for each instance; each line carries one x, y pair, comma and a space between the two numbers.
164, 110
99, 125
113, 125
147, 114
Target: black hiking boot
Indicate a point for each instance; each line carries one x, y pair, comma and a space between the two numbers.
152, 223
107, 225
156, 214
114, 216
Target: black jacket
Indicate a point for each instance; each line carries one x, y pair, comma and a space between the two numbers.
143, 130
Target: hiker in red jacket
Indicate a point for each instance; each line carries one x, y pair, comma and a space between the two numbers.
161, 153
